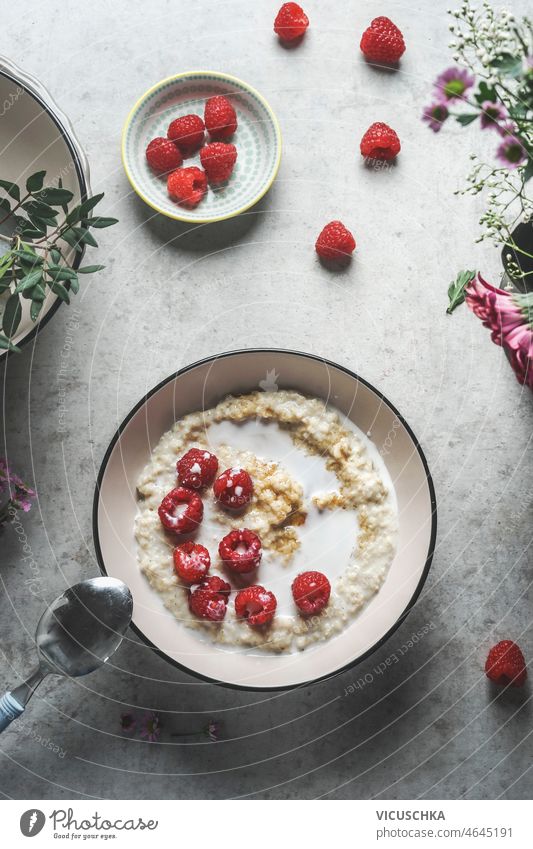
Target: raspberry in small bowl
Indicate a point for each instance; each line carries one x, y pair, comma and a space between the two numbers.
191, 562
209, 600
311, 592
255, 605
173, 111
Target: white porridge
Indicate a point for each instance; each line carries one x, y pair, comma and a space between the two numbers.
322, 501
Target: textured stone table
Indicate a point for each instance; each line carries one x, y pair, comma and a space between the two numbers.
432, 726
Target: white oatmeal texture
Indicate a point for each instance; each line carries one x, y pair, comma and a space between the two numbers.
278, 513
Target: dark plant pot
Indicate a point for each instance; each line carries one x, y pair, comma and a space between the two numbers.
523, 237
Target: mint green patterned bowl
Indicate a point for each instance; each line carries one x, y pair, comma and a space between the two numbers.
258, 143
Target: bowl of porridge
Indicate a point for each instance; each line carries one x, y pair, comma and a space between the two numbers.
272, 514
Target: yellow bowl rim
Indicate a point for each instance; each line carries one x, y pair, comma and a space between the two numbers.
184, 217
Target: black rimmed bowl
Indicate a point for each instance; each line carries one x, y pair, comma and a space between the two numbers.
200, 386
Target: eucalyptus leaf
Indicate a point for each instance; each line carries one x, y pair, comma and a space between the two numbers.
29, 280
38, 293
507, 64
90, 269
467, 118
59, 289
528, 170
5, 206
456, 290
7, 345
54, 197
74, 286
100, 222
89, 204
85, 237
37, 207
12, 315
35, 309
35, 182
11, 188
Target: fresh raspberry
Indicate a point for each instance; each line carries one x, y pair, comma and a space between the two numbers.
209, 599
191, 561
382, 42
291, 22
197, 468
335, 241
163, 155
256, 605
174, 518
218, 160
220, 117
311, 591
187, 132
241, 550
187, 186
506, 664
233, 488
380, 142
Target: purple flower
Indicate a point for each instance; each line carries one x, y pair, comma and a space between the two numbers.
453, 83
128, 723
150, 727
492, 114
212, 729
508, 128
435, 115
13, 491
511, 152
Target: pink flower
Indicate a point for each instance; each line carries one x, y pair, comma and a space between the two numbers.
150, 727
453, 83
511, 152
491, 115
435, 115
507, 316
13, 491
128, 723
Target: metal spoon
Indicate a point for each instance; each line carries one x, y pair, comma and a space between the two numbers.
78, 633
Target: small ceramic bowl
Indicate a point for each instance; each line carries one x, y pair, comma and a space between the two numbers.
257, 139
200, 386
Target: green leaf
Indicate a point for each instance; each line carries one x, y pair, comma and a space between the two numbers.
100, 222
54, 197
59, 289
35, 182
89, 204
11, 188
64, 206
507, 64
29, 280
55, 256
28, 256
528, 170
12, 315
62, 273
7, 345
74, 286
27, 229
456, 290
35, 309
70, 237
85, 237
38, 293
37, 207
5, 206
485, 93
90, 269
4, 285
467, 118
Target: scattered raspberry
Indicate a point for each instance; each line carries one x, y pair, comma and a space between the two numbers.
506, 664
241, 550
382, 42
335, 241
291, 22
187, 132
187, 186
311, 591
209, 599
181, 510
380, 142
191, 561
220, 117
233, 488
163, 155
256, 605
197, 468
218, 160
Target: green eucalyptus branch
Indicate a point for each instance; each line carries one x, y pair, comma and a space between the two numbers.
36, 262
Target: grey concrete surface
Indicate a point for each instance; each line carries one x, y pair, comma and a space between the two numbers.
432, 726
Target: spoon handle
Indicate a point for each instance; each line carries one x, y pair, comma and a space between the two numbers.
9, 710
